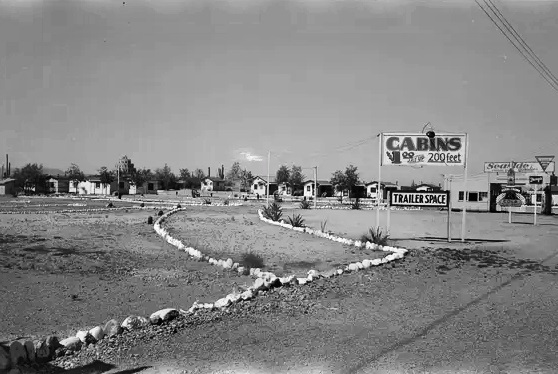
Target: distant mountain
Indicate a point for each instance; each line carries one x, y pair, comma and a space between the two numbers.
52, 171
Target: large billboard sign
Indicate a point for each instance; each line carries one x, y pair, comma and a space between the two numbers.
418, 149
519, 167
439, 199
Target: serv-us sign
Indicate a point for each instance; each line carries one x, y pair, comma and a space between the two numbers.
418, 149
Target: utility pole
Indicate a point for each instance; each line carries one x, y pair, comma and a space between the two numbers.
316, 187
267, 197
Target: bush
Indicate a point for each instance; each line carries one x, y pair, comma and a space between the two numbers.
252, 260
226, 202
207, 201
305, 204
273, 212
235, 195
160, 213
296, 221
142, 205
375, 236
149, 220
356, 205
110, 205
178, 206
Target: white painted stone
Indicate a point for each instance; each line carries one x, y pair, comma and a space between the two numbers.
112, 328
72, 343
30, 350
208, 306
164, 315
360, 265
241, 270
366, 264
42, 352
313, 273
5, 360
302, 280
247, 295
235, 265
18, 355
375, 262
222, 303
97, 333
259, 284
358, 243
234, 297
134, 322
84, 336
228, 264
353, 267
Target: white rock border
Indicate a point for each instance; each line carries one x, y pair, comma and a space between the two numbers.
46, 349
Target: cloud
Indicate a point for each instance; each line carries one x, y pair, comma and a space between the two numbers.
250, 157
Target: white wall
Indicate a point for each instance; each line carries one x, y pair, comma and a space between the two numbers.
477, 187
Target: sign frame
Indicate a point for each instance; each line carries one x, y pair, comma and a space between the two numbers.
427, 157
536, 179
520, 167
420, 193
544, 161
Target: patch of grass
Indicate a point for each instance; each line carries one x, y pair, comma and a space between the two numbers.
296, 220
376, 236
305, 204
274, 212
252, 260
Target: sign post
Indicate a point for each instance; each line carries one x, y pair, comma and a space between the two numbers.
388, 213
449, 220
434, 199
535, 180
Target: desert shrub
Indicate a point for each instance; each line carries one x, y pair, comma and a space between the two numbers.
323, 225
142, 205
160, 213
207, 201
305, 204
252, 260
178, 206
235, 195
149, 220
226, 202
356, 205
375, 236
110, 205
296, 221
273, 212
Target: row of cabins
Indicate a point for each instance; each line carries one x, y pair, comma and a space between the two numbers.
326, 189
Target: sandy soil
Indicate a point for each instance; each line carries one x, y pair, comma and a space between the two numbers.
224, 233
63, 272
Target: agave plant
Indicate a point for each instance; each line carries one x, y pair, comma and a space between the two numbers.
296, 221
356, 205
273, 212
375, 236
305, 204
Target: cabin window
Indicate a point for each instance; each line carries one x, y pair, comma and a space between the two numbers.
460, 197
483, 196
97, 184
255, 186
308, 188
473, 196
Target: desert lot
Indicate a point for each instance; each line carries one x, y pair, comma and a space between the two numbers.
61, 272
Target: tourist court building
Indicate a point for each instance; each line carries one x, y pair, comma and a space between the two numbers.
484, 188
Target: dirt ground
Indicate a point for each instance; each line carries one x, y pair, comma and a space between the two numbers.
224, 233
63, 272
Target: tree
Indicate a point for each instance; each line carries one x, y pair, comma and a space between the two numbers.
283, 175
75, 175
185, 174
166, 176
345, 180
107, 177
30, 176
246, 179
234, 173
199, 174
296, 178
140, 176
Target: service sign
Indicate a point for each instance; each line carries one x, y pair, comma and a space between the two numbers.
519, 167
439, 199
536, 179
418, 150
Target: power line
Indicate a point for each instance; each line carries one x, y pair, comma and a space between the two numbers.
518, 37
538, 67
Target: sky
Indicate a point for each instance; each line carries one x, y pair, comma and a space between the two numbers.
198, 84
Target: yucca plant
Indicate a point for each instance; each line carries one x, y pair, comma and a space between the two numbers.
376, 236
273, 212
296, 221
356, 205
323, 225
305, 204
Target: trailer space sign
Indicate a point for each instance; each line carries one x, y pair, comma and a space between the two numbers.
419, 150
439, 199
